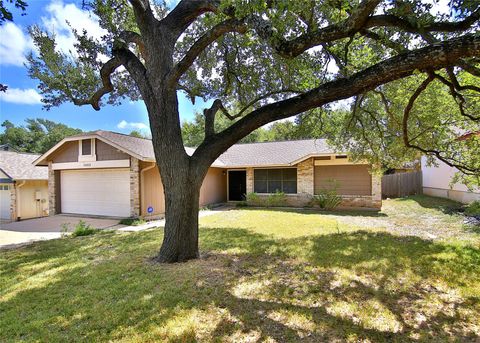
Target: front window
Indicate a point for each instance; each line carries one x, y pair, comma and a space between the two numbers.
273, 180
86, 146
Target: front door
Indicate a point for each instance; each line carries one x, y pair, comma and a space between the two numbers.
237, 185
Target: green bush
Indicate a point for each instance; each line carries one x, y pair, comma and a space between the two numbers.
328, 199
241, 204
473, 209
132, 221
276, 199
83, 229
253, 199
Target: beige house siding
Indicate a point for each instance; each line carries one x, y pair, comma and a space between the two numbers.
27, 204
68, 152
106, 152
214, 187
213, 190
151, 190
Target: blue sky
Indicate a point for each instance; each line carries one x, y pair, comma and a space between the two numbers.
22, 99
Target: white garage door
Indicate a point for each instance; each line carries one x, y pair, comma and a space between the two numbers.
95, 191
4, 202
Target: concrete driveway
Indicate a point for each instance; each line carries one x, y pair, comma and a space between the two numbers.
30, 230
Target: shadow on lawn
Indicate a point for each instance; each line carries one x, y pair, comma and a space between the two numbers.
446, 206
247, 284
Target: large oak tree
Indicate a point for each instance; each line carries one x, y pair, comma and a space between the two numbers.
265, 59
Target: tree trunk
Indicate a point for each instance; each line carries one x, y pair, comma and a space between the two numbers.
180, 241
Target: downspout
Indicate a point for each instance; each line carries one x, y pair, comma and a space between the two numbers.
18, 186
142, 187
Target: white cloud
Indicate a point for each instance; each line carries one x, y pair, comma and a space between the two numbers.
131, 125
21, 96
62, 18
14, 44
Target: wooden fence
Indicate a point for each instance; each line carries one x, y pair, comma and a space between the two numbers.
401, 184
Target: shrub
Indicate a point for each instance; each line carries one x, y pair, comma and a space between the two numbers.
473, 209
132, 221
276, 199
328, 199
253, 199
83, 229
241, 204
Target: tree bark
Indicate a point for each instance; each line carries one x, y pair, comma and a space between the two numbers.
180, 241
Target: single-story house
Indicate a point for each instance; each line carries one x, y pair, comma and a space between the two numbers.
23, 186
112, 174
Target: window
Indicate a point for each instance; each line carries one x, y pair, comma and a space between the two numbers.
86, 146
4, 188
272, 180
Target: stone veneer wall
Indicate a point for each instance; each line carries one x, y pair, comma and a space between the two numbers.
134, 187
13, 201
52, 200
249, 180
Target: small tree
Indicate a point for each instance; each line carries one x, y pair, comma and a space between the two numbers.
275, 59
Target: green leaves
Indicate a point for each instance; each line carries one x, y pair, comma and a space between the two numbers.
37, 136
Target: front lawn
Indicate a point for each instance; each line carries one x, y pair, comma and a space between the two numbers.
264, 275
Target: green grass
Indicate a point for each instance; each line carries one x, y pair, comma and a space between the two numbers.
264, 275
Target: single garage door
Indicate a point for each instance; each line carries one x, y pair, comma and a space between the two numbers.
4, 202
103, 192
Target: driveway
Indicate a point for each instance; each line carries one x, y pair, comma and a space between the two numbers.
30, 230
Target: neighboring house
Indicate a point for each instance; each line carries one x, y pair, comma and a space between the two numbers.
436, 182
23, 186
111, 174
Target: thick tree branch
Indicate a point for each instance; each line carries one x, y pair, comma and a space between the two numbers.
143, 14
435, 56
107, 69
229, 25
186, 12
349, 27
127, 37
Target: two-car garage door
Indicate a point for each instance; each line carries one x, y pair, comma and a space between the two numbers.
104, 192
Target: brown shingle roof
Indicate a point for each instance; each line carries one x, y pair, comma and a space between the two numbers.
273, 153
19, 166
239, 155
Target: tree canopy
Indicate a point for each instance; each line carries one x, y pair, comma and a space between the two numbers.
38, 135
265, 60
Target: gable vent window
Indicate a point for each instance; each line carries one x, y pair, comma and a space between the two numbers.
86, 146
273, 180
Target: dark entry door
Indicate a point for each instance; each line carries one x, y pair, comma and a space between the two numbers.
237, 185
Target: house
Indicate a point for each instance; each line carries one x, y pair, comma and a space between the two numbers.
111, 174
23, 186
437, 179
